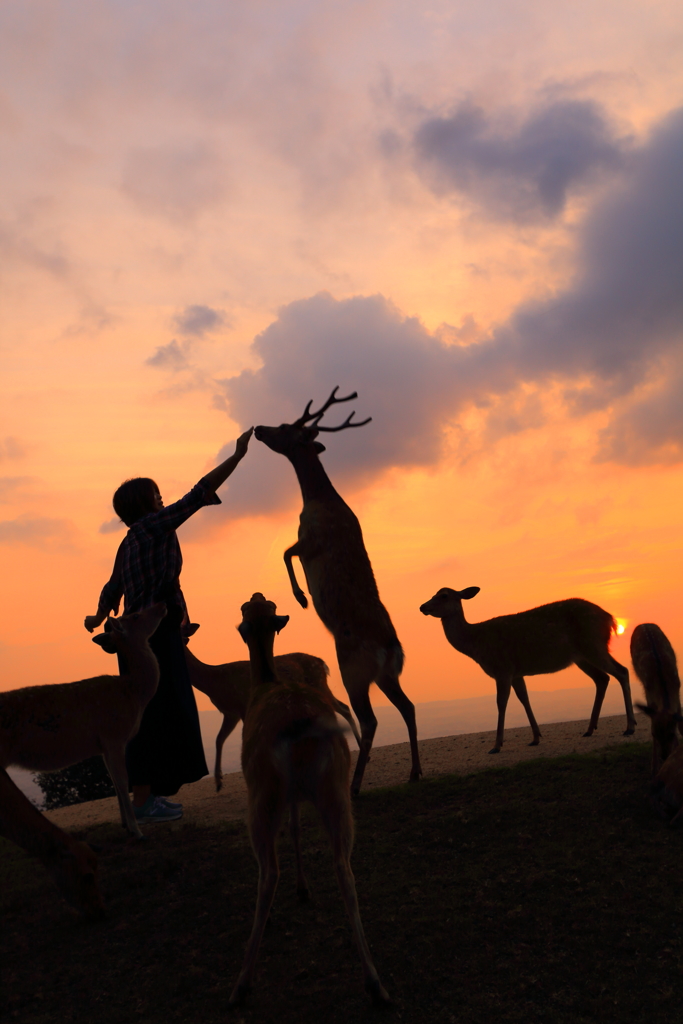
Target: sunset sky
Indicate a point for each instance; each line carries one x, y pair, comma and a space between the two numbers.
472, 214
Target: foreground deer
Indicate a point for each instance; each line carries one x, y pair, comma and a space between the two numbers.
667, 788
227, 687
71, 864
655, 664
44, 728
545, 639
293, 750
341, 582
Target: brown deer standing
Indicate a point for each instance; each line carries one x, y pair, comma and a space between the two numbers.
545, 639
44, 728
227, 687
654, 660
71, 864
341, 582
293, 750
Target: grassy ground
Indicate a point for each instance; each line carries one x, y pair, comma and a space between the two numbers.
548, 892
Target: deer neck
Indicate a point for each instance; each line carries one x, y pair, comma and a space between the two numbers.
261, 660
142, 668
314, 482
457, 630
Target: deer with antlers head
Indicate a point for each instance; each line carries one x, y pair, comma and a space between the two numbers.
340, 580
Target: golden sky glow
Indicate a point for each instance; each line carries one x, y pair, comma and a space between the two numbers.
237, 160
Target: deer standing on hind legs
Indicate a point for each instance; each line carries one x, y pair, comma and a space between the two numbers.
293, 750
341, 582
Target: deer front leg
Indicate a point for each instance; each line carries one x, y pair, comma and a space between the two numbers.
503, 687
115, 762
296, 589
229, 723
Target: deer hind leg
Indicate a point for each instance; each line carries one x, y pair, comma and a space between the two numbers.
358, 672
343, 710
601, 680
519, 686
606, 663
391, 688
115, 762
263, 829
229, 723
302, 890
335, 811
503, 687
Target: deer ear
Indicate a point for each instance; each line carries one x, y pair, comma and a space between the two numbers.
106, 642
244, 629
280, 621
647, 709
318, 447
468, 593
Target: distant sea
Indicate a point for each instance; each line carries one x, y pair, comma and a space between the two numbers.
435, 718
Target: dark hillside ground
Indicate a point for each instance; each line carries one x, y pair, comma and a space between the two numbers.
548, 892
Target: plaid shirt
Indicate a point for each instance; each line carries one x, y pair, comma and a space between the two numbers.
148, 562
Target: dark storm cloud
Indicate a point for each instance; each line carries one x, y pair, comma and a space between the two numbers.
524, 171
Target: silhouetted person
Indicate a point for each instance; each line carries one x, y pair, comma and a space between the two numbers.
167, 751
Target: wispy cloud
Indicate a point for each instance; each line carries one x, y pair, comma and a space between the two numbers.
37, 532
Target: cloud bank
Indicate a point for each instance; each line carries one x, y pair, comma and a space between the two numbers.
522, 172
612, 341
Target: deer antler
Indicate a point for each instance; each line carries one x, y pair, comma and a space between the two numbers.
342, 426
314, 417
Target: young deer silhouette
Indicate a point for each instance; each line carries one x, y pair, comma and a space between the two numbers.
44, 728
293, 750
341, 582
71, 864
655, 664
227, 687
545, 639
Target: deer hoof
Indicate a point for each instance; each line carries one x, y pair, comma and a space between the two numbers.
534, 743
302, 599
589, 732
377, 992
494, 750
629, 732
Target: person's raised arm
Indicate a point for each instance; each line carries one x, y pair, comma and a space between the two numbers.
110, 598
213, 480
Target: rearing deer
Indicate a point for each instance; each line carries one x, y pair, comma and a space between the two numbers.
341, 582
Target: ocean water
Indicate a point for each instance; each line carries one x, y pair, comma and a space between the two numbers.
435, 718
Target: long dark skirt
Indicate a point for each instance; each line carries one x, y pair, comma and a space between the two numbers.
167, 751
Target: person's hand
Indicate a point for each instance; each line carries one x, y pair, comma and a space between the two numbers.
243, 443
92, 622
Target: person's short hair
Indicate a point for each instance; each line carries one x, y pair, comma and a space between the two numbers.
135, 499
